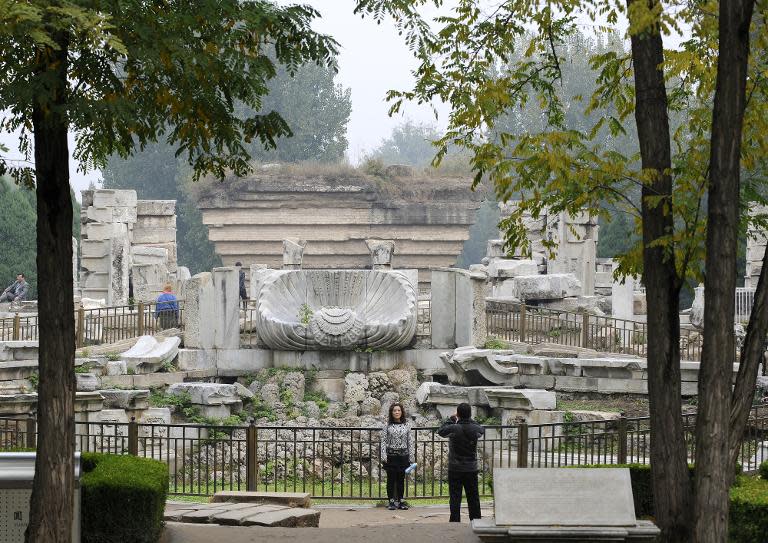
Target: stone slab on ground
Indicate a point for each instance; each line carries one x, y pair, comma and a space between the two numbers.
289, 499
246, 514
643, 532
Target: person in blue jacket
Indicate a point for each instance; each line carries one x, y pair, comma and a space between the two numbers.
167, 310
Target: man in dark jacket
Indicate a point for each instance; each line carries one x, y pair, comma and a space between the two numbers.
241, 284
463, 434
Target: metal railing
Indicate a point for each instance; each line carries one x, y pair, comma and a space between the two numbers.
112, 324
523, 323
100, 325
345, 462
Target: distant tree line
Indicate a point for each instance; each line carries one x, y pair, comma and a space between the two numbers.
18, 219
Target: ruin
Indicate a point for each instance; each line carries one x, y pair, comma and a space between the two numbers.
427, 218
126, 240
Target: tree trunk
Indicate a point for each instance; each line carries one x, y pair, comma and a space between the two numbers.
713, 469
751, 356
670, 476
51, 506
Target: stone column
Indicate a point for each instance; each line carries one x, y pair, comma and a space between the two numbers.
226, 308
623, 298
149, 272
588, 267
198, 311
382, 252
293, 253
75, 280
458, 308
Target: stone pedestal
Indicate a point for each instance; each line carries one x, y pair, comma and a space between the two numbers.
198, 310
458, 308
226, 308
623, 298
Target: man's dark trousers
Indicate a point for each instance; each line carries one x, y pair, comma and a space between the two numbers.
457, 481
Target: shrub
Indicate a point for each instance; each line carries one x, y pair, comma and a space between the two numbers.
749, 501
748, 519
123, 498
763, 470
492, 342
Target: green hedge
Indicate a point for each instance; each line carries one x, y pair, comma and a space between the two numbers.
763, 470
123, 498
748, 519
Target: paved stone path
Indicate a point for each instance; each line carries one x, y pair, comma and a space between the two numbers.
243, 514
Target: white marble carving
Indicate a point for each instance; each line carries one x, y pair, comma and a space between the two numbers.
336, 309
148, 354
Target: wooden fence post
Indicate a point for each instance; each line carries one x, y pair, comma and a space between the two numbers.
31, 431
251, 444
80, 340
522, 445
622, 439
585, 329
16, 327
141, 318
522, 322
133, 437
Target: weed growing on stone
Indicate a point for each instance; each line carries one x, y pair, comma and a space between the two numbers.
492, 342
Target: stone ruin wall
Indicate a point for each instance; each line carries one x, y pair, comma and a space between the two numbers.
756, 244
428, 219
125, 239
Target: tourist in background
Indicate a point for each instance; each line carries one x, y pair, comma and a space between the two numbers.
17, 291
241, 283
463, 433
167, 310
396, 454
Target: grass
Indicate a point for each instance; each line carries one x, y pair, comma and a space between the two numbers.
587, 405
324, 493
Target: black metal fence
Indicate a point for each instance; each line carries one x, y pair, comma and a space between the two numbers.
100, 325
345, 463
514, 321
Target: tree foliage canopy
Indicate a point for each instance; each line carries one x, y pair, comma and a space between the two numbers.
137, 73
493, 65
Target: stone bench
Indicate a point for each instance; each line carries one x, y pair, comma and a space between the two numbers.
289, 499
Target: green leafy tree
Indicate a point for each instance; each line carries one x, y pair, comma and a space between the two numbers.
565, 168
18, 216
120, 75
410, 143
17, 244
317, 110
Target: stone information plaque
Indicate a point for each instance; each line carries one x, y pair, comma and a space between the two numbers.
563, 497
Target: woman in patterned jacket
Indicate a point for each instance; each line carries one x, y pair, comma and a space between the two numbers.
396, 454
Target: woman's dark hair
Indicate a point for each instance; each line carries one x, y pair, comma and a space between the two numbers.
403, 416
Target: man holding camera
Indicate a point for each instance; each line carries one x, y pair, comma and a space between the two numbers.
463, 433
